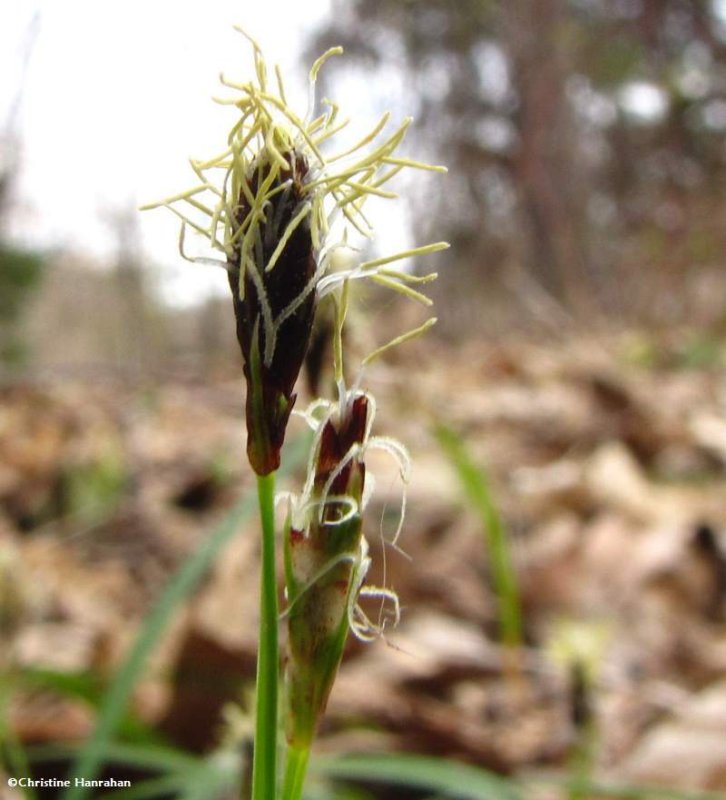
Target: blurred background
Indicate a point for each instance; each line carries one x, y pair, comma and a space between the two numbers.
564, 602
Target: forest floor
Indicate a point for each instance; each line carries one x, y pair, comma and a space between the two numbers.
605, 457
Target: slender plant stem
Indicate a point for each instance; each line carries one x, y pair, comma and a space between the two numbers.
295, 769
264, 762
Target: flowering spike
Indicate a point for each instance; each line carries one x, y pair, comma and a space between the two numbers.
271, 218
324, 568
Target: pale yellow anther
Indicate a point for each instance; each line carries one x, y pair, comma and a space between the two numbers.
416, 251
318, 63
289, 230
406, 337
409, 162
402, 288
367, 139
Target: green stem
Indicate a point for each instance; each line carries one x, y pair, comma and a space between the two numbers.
264, 763
295, 769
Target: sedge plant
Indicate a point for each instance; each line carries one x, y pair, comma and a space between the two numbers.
275, 206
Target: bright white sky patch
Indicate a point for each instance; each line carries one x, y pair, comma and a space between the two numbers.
645, 101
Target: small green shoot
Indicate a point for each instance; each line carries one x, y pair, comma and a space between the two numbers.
448, 779
476, 488
92, 492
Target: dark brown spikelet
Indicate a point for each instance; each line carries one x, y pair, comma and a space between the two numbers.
270, 386
335, 442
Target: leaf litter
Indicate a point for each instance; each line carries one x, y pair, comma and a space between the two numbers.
609, 478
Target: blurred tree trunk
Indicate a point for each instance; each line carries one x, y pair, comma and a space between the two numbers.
134, 350
21, 270
546, 167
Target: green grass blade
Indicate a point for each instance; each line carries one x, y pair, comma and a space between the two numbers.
206, 779
447, 778
475, 484
14, 758
590, 788
218, 779
78, 685
182, 584
186, 776
87, 687
164, 786
141, 756
13, 754
336, 793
